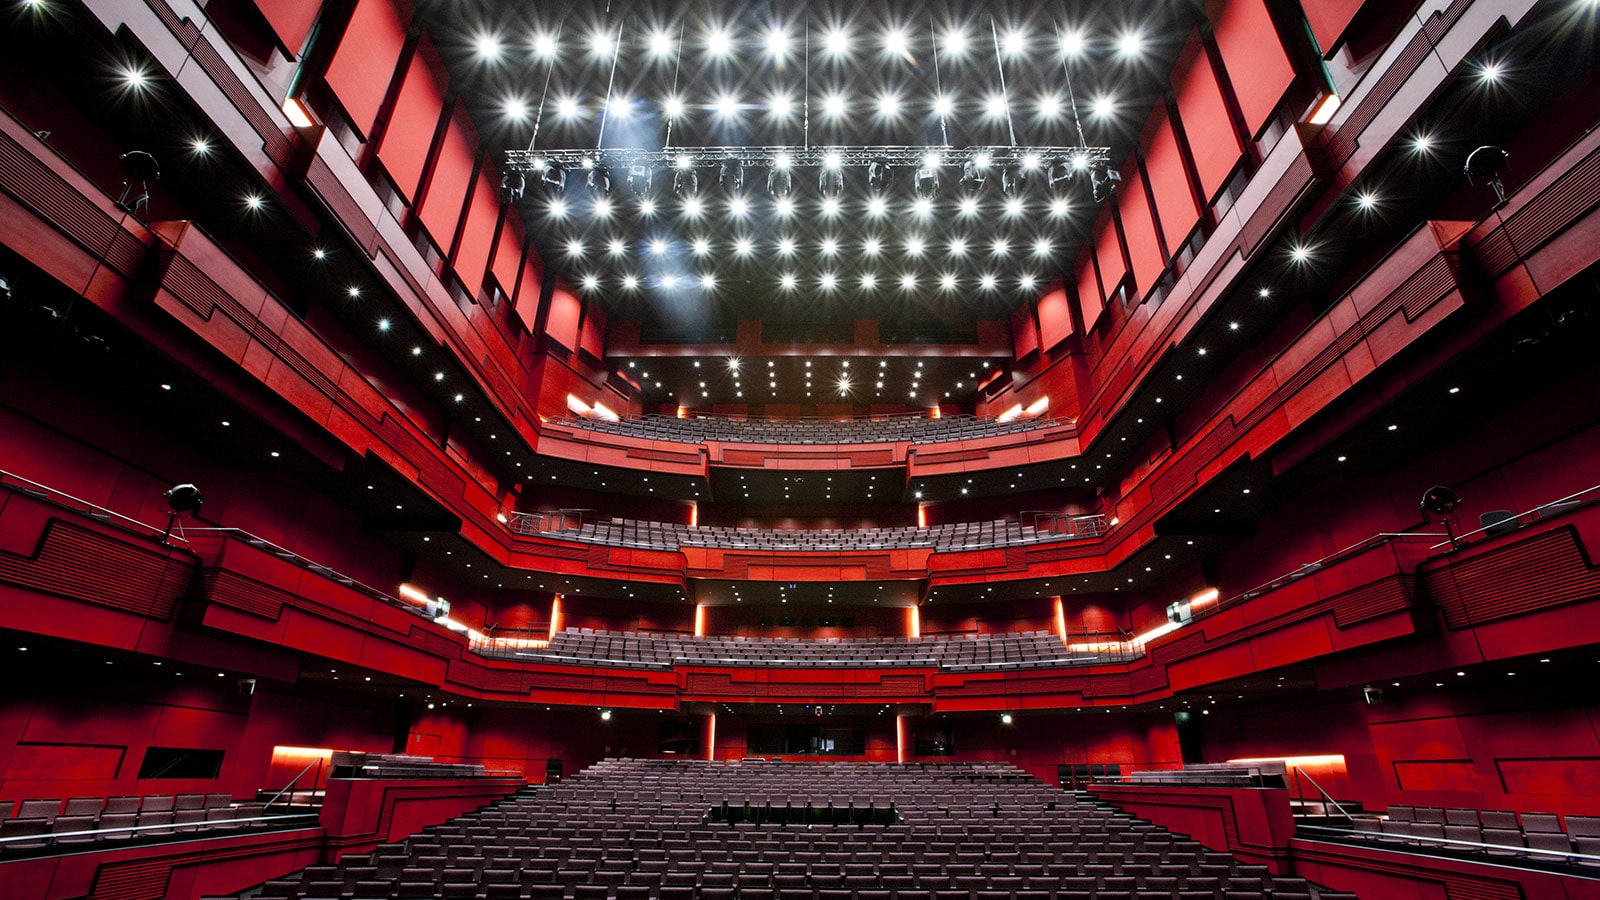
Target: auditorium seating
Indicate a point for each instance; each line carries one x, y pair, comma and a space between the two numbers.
911, 429
41, 823
967, 652
1538, 836
944, 538
629, 829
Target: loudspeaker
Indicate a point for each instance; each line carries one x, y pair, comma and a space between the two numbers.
1372, 695
246, 686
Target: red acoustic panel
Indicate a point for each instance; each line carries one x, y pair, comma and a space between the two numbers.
593, 339
1169, 179
562, 325
477, 237
1024, 334
364, 63
291, 21
1329, 19
1257, 65
403, 151
446, 194
508, 253
1055, 318
528, 289
1090, 301
1108, 252
1213, 141
1139, 228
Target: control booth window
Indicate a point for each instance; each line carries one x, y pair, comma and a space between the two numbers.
821, 740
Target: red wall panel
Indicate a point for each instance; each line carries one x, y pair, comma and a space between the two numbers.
507, 264
529, 288
1329, 19
447, 185
1257, 65
1090, 300
1213, 142
593, 340
291, 20
562, 325
1024, 333
362, 67
403, 151
1055, 318
1108, 252
1169, 179
472, 257
1139, 228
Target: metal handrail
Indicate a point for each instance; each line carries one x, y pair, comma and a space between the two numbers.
14, 482
169, 828
1570, 499
296, 780
1326, 797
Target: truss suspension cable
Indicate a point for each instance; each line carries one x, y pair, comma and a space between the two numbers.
805, 101
938, 85
1072, 98
1005, 97
605, 109
677, 69
545, 92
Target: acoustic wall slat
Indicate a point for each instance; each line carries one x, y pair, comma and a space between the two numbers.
1139, 228
364, 62
1258, 67
291, 21
1169, 179
446, 194
1213, 142
477, 236
403, 150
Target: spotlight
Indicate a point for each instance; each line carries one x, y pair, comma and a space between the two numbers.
830, 183
731, 175
780, 181
975, 173
512, 186
1488, 164
1013, 179
685, 180
640, 179
553, 179
181, 498
926, 181
139, 166
879, 175
599, 180
1442, 502
1103, 180
1060, 175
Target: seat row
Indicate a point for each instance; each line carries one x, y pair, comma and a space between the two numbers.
642, 830
1503, 832
40, 823
949, 537
953, 652
911, 429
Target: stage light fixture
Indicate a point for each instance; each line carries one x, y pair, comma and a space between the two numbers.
830, 182
553, 179
1488, 164
599, 180
731, 175
512, 186
685, 181
137, 166
640, 178
879, 175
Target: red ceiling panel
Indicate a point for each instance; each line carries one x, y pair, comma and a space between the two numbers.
364, 63
403, 151
1257, 65
447, 186
1169, 179
1213, 141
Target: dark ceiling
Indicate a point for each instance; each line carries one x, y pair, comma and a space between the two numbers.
840, 74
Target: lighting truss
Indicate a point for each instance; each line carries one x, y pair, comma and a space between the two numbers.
622, 159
